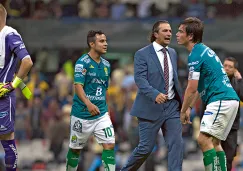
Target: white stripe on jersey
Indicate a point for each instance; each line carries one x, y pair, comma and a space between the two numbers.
10, 101
10, 64
204, 51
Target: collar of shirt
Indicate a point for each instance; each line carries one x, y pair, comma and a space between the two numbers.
158, 47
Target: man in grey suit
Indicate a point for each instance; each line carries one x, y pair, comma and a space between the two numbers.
158, 100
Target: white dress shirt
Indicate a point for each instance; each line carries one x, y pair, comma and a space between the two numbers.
160, 54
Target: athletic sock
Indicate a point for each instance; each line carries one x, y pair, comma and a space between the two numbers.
108, 160
222, 160
72, 161
11, 155
210, 160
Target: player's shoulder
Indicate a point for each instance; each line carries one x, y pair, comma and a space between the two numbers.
84, 59
10, 31
105, 62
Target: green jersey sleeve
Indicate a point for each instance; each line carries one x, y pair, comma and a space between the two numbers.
194, 64
80, 72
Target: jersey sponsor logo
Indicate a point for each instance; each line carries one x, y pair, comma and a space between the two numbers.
3, 114
91, 66
22, 46
106, 71
211, 53
3, 128
17, 42
74, 139
202, 93
86, 60
193, 63
78, 75
98, 81
77, 126
78, 67
99, 98
91, 74
191, 68
226, 82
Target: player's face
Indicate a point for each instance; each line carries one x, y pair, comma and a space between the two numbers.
100, 45
229, 68
163, 36
181, 36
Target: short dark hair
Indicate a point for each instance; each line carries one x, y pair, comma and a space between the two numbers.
195, 27
155, 29
232, 59
91, 36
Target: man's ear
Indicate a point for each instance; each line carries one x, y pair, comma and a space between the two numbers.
156, 35
91, 44
190, 37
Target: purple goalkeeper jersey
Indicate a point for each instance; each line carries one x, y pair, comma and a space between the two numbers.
12, 49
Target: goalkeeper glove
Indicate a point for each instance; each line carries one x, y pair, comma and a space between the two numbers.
9, 87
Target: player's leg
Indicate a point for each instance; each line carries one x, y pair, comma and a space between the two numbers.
105, 135
205, 142
215, 125
80, 130
227, 116
7, 113
11, 155
221, 157
230, 147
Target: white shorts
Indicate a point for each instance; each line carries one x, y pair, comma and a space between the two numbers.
82, 129
218, 118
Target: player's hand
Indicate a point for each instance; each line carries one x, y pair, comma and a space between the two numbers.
237, 74
185, 117
93, 109
5, 89
161, 98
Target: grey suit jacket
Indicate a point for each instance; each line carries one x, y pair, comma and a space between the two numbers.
149, 78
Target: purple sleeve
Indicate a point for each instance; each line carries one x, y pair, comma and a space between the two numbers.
17, 46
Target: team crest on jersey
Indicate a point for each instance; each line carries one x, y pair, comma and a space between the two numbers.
84, 71
77, 126
106, 71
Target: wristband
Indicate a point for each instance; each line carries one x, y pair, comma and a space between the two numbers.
16, 82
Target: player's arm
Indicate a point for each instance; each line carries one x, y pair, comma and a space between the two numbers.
93, 109
79, 80
191, 95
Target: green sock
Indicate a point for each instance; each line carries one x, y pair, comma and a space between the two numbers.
210, 160
222, 160
72, 161
108, 160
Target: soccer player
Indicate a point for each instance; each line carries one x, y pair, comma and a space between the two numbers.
12, 49
89, 115
207, 79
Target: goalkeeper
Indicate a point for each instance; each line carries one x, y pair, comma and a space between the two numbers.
12, 49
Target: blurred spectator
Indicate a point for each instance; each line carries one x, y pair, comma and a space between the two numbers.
57, 138
118, 10
85, 8
41, 11
21, 120
63, 85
